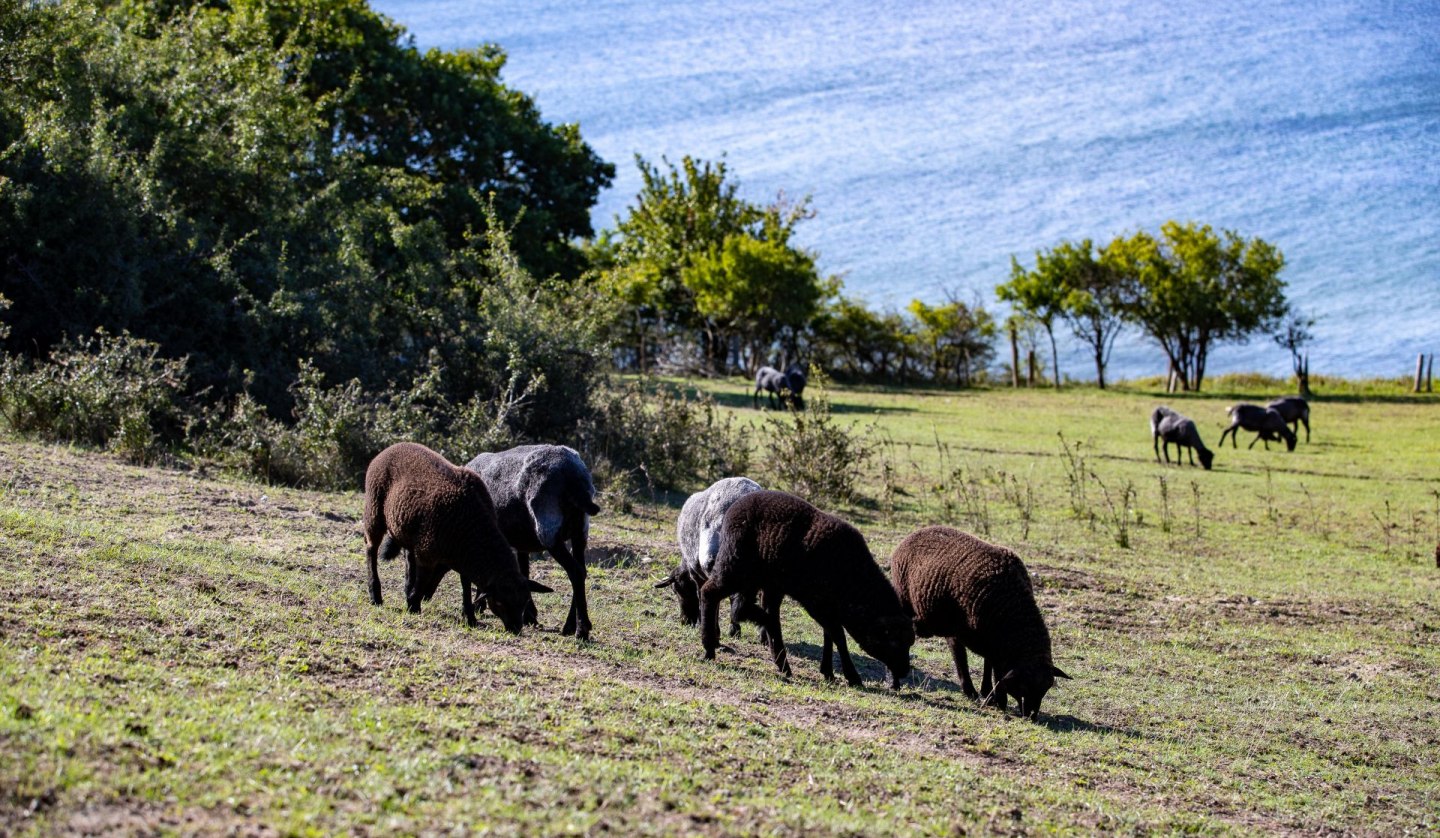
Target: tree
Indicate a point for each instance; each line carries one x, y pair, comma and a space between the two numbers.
758, 289
1040, 295
1192, 289
681, 215
1293, 335
1092, 298
958, 338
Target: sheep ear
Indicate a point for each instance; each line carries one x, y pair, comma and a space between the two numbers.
536, 587
667, 581
1060, 673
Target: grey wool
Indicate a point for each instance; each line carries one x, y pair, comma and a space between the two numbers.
776, 545
1167, 426
544, 498
1265, 423
698, 532
442, 516
1295, 411
978, 595
775, 383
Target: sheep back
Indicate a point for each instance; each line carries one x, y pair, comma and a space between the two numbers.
533, 487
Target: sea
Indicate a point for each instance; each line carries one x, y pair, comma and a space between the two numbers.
937, 140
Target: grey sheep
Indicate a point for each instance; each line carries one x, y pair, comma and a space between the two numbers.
978, 595
544, 497
776, 545
1295, 411
1167, 426
698, 531
1266, 423
777, 383
442, 516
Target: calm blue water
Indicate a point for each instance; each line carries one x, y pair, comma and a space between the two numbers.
937, 142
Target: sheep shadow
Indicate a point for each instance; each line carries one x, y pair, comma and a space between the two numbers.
869, 668
743, 400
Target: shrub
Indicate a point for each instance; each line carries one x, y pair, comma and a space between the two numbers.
113, 391
658, 436
813, 456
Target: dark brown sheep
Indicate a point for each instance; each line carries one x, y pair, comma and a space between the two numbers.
777, 545
978, 595
442, 517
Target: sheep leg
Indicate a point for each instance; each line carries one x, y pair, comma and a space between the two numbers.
827, 667
1231, 431
737, 606
962, 667
777, 639
847, 666
1189, 451
578, 621
993, 697
710, 595
1307, 428
1156, 441
372, 549
413, 592
529, 615
466, 603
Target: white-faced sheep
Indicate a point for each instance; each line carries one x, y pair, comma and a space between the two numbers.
776, 545
776, 383
544, 498
1295, 411
978, 595
698, 531
442, 516
1167, 426
1265, 423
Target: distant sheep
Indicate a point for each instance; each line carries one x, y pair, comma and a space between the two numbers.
1295, 411
443, 517
777, 545
1266, 423
1167, 426
698, 531
978, 595
544, 497
776, 383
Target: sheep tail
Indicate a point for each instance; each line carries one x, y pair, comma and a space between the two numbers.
388, 548
585, 501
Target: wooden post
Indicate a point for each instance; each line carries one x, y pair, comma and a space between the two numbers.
1014, 356
1419, 371
1430, 374
1030, 378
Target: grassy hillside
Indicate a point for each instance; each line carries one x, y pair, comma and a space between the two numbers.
190, 652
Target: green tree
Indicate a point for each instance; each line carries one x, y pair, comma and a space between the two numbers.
1192, 289
760, 290
1038, 294
958, 338
1091, 297
681, 215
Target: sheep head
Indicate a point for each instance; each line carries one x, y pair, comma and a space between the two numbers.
686, 591
1029, 682
1206, 457
888, 640
508, 599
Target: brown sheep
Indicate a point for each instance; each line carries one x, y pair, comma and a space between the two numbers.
976, 594
774, 544
442, 516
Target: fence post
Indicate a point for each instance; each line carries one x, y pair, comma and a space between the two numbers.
1419, 371
1014, 356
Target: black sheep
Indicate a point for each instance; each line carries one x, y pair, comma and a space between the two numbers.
442, 516
777, 545
776, 383
978, 595
1295, 411
1267, 424
1167, 426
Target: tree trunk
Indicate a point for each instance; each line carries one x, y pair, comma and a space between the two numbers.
1014, 356
1054, 357
1100, 366
1030, 376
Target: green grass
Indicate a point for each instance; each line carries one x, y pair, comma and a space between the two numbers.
181, 652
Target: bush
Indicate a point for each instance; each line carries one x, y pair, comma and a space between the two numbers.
113, 391
811, 455
656, 436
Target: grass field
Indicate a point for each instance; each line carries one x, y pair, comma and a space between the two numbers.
190, 652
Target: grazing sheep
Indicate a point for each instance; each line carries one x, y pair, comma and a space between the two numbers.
774, 545
1266, 423
699, 537
776, 383
1167, 426
544, 497
978, 595
442, 516
1295, 411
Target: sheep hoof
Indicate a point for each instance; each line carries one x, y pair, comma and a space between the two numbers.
709, 655
735, 630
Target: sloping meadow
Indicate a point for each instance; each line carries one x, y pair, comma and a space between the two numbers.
192, 652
